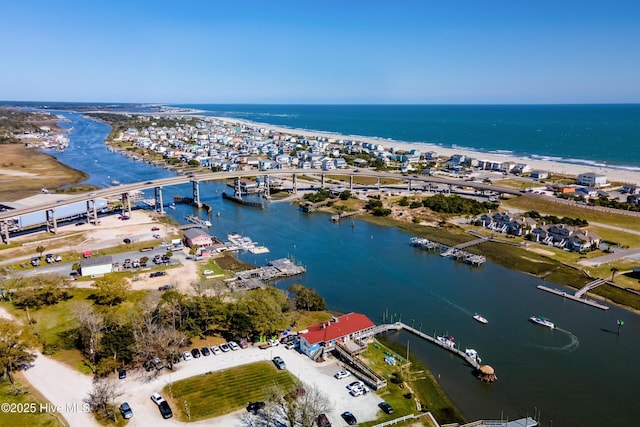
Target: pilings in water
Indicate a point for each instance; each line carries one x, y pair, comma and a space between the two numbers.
446, 251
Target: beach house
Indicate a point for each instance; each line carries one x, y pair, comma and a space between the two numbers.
591, 179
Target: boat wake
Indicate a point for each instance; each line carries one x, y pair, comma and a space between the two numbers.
573, 344
453, 304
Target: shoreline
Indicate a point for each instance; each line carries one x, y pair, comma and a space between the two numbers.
618, 174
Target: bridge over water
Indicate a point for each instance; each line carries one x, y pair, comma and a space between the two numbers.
124, 191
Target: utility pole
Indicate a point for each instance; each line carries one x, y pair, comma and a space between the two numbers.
620, 324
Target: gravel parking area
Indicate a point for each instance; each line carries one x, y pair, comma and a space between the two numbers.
140, 385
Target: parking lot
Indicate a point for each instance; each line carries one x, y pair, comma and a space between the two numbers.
139, 385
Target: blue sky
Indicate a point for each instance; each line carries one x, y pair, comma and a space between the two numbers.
426, 52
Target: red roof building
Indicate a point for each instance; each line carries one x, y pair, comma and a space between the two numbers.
338, 329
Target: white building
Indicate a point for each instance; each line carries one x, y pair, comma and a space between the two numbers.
591, 179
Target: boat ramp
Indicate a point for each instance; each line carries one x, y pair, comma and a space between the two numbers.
579, 295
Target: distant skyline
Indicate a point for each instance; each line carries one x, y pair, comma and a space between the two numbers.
330, 52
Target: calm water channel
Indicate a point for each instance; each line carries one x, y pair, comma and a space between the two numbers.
580, 374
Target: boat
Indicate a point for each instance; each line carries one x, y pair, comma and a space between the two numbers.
447, 341
472, 354
542, 321
480, 318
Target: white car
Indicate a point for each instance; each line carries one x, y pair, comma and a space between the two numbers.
157, 399
187, 356
207, 272
355, 384
342, 374
216, 350
234, 346
273, 343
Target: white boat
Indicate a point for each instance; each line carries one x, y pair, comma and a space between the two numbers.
447, 341
473, 355
542, 321
480, 318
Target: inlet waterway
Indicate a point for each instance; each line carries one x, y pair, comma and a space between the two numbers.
358, 266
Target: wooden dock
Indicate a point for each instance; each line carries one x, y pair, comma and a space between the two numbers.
399, 325
578, 295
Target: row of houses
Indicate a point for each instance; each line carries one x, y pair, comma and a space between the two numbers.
229, 146
558, 235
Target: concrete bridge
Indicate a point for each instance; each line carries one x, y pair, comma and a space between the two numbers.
124, 191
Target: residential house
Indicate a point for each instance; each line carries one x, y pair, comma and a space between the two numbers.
591, 179
539, 175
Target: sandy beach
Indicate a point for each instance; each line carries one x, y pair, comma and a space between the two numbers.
616, 175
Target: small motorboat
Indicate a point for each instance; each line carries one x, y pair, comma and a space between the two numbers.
480, 318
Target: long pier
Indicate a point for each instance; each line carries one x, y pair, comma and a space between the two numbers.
399, 325
578, 296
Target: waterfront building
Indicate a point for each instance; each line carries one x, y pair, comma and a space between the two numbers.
343, 329
196, 236
591, 179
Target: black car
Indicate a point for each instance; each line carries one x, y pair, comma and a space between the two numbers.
167, 288
165, 410
127, 240
122, 374
157, 274
255, 406
205, 351
126, 410
195, 353
386, 408
279, 363
349, 418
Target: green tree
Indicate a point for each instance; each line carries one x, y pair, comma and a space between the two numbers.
40, 249
264, 307
16, 346
110, 290
37, 291
307, 299
345, 195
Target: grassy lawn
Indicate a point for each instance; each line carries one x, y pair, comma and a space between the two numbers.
418, 378
617, 237
550, 207
56, 325
26, 396
518, 184
218, 393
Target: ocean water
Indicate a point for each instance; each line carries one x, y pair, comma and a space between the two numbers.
593, 135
